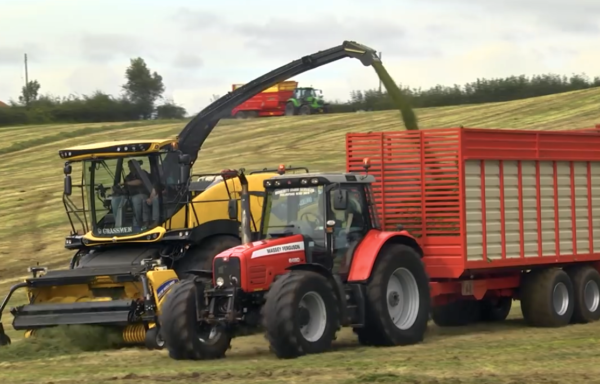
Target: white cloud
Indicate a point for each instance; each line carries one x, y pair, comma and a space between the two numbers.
200, 49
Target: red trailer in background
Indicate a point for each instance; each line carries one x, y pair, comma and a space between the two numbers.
499, 215
270, 102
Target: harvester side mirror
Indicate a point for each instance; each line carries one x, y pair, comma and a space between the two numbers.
232, 209
185, 159
68, 185
340, 199
67, 170
184, 173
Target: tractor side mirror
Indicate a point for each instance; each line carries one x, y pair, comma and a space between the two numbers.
232, 209
68, 189
340, 199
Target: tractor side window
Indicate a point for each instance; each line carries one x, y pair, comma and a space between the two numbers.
350, 228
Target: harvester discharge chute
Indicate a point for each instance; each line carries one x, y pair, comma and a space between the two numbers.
140, 222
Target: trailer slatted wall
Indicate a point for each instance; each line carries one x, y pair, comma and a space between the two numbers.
479, 199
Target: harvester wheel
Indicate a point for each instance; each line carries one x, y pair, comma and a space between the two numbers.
456, 313
495, 309
201, 255
398, 299
547, 298
301, 315
154, 339
586, 287
290, 109
4, 340
185, 338
304, 110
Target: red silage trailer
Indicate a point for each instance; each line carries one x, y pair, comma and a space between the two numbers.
499, 215
270, 102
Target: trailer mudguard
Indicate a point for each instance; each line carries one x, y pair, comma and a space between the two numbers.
367, 251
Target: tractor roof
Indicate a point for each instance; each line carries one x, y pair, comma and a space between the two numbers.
328, 178
116, 149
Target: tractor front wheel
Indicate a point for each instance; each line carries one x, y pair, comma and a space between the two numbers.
398, 299
184, 336
301, 314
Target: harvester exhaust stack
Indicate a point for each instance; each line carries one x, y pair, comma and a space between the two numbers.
245, 205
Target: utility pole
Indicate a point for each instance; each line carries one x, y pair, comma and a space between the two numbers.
380, 54
26, 93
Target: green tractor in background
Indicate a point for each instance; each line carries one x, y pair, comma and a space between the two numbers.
305, 101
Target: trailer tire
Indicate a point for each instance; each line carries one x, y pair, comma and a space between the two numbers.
398, 270
282, 314
201, 256
456, 313
547, 298
183, 336
495, 309
240, 115
586, 289
290, 109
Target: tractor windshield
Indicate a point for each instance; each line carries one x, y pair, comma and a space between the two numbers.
124, 194
295, 211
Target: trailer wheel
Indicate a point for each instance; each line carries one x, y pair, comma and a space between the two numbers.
154, 339
240, 115
301, 314
586, 287
456, 313
495, 309
304, 110
185, 338
290, 109
201, 256
547, 298
398, 299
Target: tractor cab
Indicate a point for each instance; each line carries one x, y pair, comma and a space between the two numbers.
306, 101
333, 212
127, 189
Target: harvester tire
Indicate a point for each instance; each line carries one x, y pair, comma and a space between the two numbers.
456, 313
290, 109
4, 340
154, 339
586, 287
398, 299
304, 110
185, 339
547, 298
301, 315
495, 310
201, 256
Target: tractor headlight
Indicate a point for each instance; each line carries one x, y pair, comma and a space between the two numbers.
220, 282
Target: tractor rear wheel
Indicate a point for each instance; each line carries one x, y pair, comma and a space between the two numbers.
398, 299
304, 110
185, 338
201, 256
290, 109
301, 314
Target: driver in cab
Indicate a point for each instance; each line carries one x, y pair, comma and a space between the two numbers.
137, 193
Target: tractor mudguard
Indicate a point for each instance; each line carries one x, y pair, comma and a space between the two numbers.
367, 251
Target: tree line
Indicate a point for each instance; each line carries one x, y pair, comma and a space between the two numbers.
144, 88
476, 92
137, 101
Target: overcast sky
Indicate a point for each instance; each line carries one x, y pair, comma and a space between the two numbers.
201, 48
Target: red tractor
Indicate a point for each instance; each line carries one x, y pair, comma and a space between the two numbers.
323, 262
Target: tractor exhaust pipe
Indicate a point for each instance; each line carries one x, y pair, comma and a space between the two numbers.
245, 205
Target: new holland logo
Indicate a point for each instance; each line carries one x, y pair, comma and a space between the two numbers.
279, 249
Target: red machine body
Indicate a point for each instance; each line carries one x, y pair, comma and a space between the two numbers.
486, 204
270, 102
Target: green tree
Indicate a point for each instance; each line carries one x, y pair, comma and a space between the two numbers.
170, 110
29, 92
143, 87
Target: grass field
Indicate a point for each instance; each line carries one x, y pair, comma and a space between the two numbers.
33, 227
